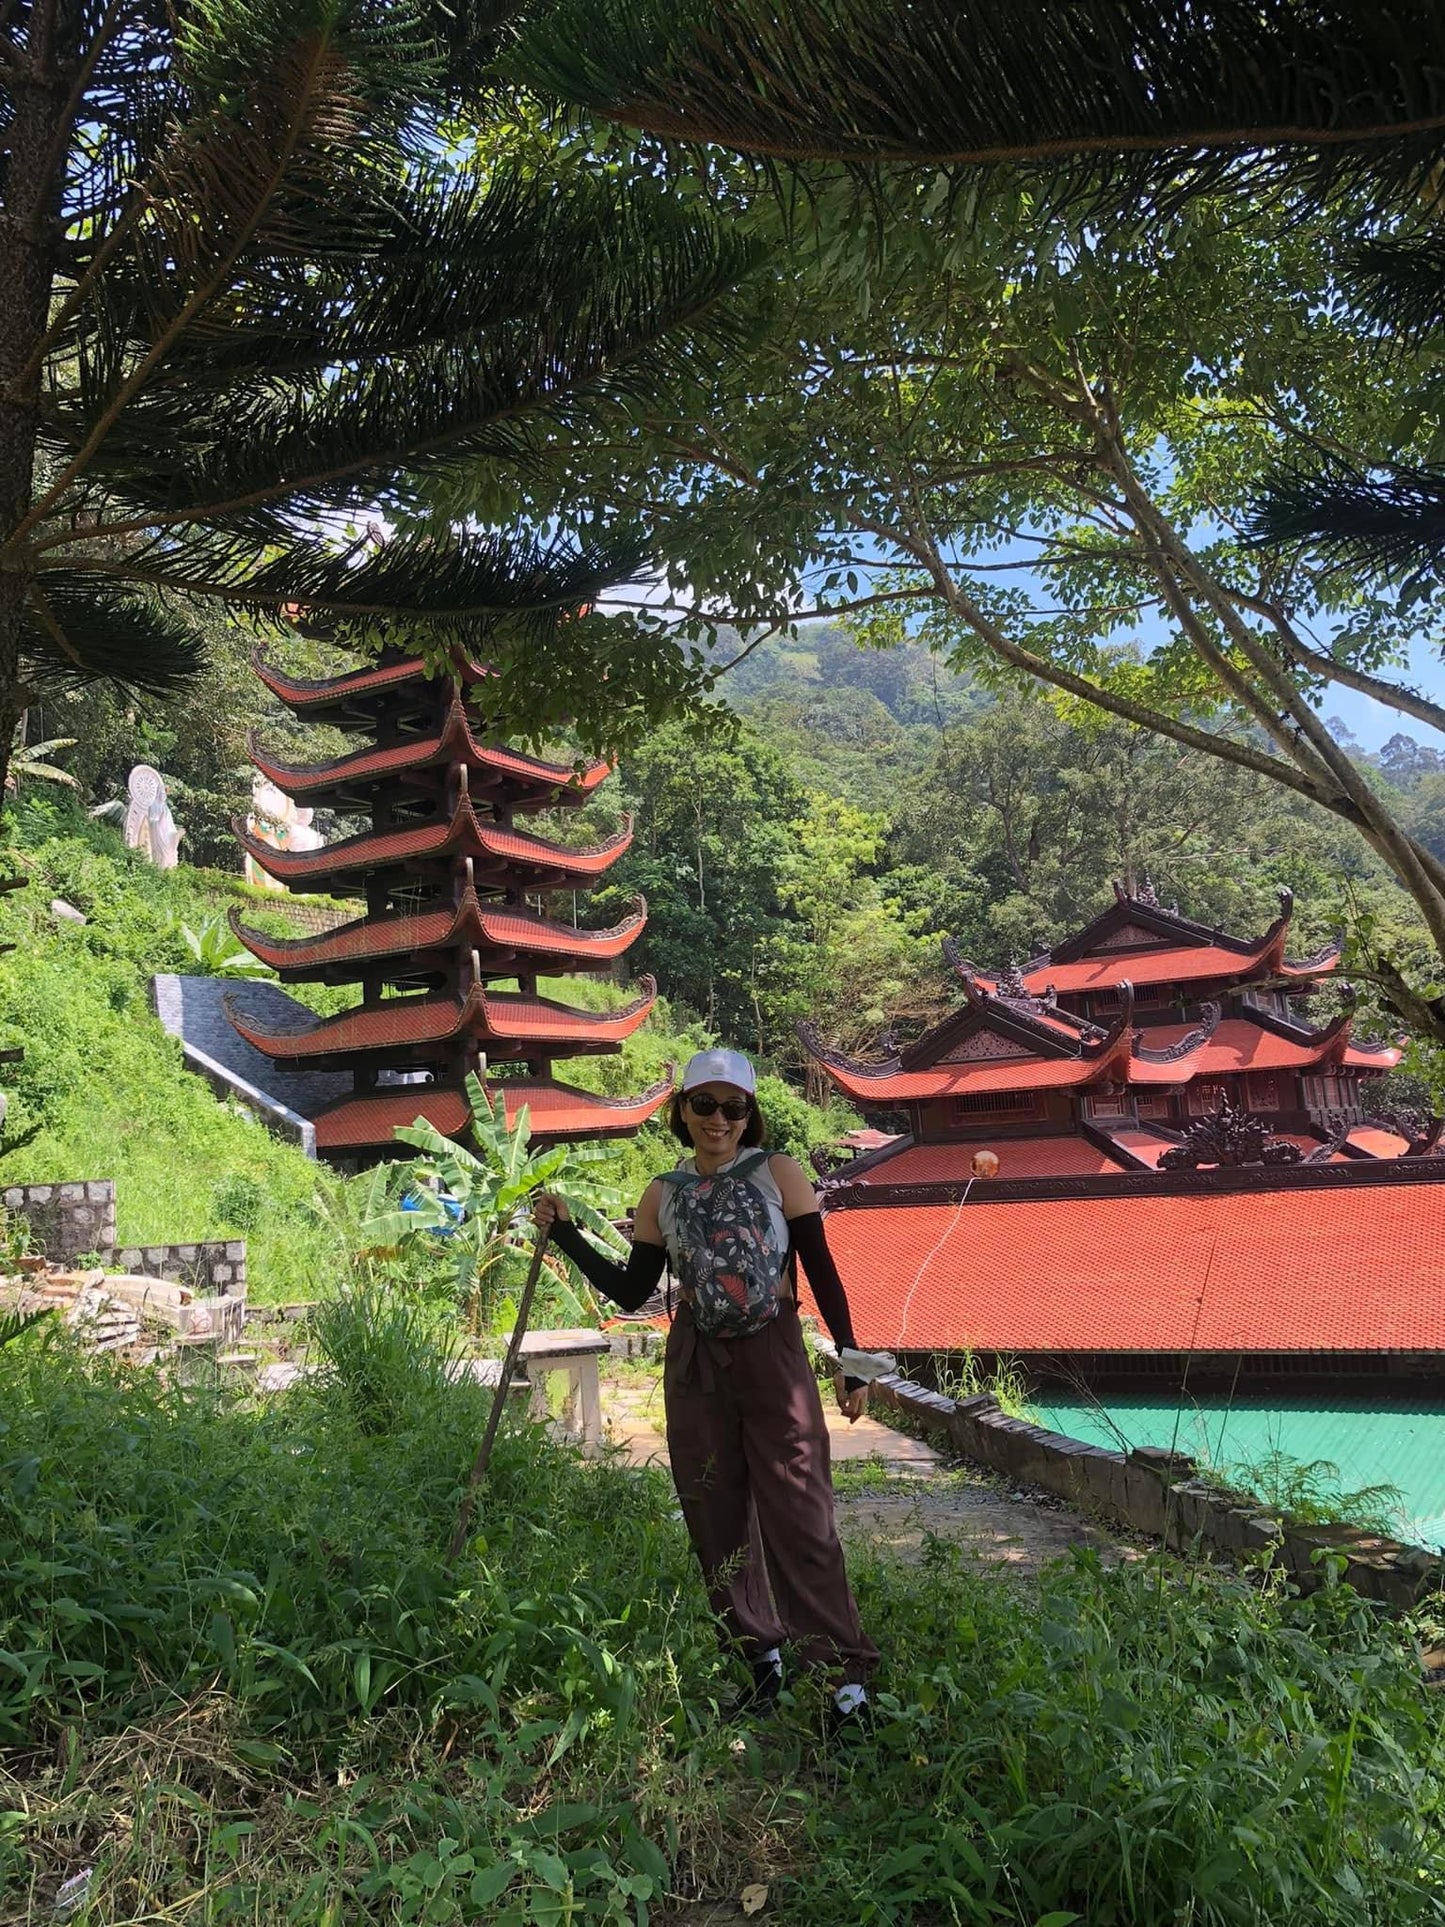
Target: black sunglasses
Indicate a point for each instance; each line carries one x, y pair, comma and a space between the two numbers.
703, 1104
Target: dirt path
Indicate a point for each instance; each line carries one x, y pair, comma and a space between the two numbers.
894, 1493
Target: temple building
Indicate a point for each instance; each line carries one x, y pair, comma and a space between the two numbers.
1188, 1167
452, 941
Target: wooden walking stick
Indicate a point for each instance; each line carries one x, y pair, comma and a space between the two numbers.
494, 1417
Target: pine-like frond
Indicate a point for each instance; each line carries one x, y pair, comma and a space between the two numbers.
463, 576
82, 629
1128, 88
1401, 285
1390, 525
532, 307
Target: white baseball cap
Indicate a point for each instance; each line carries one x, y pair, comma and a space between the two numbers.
719, 1067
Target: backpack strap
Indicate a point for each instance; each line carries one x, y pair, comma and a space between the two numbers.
746, 1165
742, 1167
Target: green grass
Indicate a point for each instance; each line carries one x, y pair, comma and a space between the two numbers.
105, 1085
241, 1685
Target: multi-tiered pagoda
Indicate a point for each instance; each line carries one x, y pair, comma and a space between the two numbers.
1186, 1163
452, 942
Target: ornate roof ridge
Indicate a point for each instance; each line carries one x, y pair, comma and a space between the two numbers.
1325, 958
1186, 1045
1171, 924
1034, 1014
812, 1042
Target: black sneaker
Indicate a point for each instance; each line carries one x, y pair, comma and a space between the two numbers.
767, 1684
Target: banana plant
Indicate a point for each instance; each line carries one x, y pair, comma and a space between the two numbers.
219, 955
492, 1186
15, 1324
30, 762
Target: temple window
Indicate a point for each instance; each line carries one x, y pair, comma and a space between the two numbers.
1145, 995
979, 1104
1262, 1089
1330, 1094
1111, 1104
1206, 1095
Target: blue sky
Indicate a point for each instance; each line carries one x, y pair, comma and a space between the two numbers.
1373, 724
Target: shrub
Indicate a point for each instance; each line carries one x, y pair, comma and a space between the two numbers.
238, 1200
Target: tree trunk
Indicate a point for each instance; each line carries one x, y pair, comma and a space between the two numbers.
29, 234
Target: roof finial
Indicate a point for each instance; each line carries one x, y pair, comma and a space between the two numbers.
1011, 983
1147, 894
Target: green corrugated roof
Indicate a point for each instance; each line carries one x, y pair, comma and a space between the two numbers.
1401, 1445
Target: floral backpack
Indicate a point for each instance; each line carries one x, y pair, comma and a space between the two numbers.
729, 1262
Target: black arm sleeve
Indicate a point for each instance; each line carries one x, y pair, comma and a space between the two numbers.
629, 1285
810, 1244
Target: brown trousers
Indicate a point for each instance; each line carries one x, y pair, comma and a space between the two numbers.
750, 1461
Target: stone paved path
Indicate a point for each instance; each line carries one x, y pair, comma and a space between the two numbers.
632, 1413
894, 1493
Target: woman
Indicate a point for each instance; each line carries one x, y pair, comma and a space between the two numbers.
745, 1429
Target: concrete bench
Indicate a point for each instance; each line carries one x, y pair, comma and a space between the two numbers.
576, 1353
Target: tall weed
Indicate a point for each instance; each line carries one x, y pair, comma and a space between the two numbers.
237, 1680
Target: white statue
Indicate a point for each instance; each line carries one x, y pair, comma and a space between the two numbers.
149, 825
276, 820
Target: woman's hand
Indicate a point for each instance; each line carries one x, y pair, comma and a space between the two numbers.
851, 1404
548, 1209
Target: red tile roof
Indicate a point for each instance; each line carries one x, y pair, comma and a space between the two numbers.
1029, 1157
403, 1021
367, 1121
398, 1022
1347, 1269
301, 693
454, 741
540, 1018
465, 832
488, 927
1145, 1143
953, 1080
1192, 963
1379, 1143
1236, 1045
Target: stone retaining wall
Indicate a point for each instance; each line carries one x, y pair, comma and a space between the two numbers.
216, 1267
67, 1221
1157, 1493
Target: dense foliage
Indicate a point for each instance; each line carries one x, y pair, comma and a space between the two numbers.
250, 302
244, 1687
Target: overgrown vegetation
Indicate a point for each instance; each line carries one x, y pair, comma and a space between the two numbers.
102, 1085
454, 1224
242, 1686
1311, 1492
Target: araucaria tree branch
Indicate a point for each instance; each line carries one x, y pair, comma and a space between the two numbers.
245, 302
